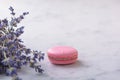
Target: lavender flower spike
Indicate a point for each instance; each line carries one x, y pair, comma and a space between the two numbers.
13, 54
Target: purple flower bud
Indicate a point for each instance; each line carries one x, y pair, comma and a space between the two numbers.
13, 22
27, 51
18, 20
2, 38
11, 8
25, 13
19, 31
12, 13
1, 26
5, 21
21, 17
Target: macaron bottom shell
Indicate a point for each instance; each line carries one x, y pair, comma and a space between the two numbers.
62, 60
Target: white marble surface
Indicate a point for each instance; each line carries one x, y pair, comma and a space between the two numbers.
90, 26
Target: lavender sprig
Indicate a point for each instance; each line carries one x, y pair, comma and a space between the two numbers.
13, 54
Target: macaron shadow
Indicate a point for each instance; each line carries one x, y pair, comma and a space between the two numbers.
76, 64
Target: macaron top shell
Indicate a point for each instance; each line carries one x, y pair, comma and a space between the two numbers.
59, 50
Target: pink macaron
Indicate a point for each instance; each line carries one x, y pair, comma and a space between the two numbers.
62, 55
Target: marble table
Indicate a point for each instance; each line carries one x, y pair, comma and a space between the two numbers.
91, 26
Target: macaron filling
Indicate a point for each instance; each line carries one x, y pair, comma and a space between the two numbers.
63, 58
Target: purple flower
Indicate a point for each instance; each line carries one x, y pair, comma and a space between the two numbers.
11, 8
28, 51
38, 69
13, 23
35, 55
2, 38
9, 44
5, 22
41, 56
9, 36
21, 17
1, 26
18, 53
18, 20
18, 40
25, 13
19, 31
12, 13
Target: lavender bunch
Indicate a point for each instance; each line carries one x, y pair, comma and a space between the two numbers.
13, 53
